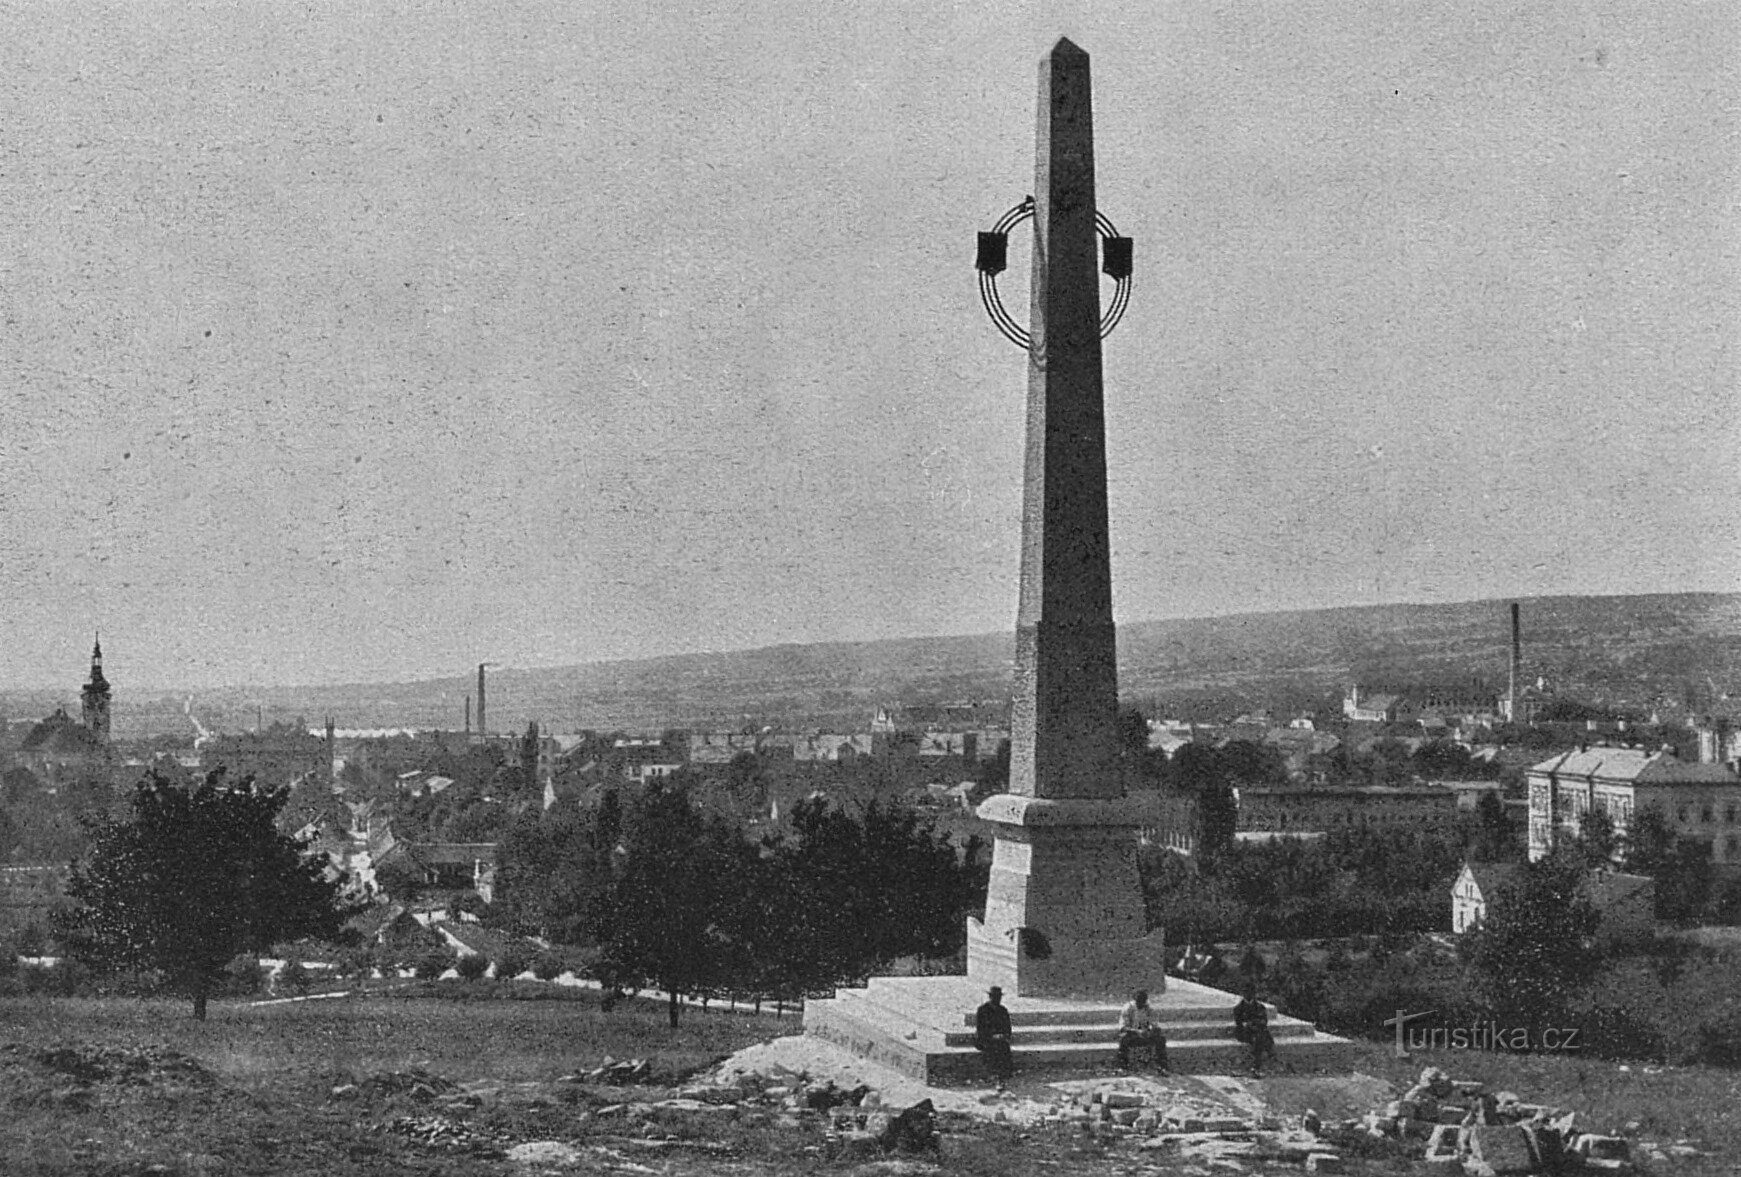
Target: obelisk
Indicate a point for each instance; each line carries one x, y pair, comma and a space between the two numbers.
1064, 913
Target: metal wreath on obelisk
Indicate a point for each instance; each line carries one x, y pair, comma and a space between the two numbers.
1064, 912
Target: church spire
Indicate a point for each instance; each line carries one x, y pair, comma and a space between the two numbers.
96, 696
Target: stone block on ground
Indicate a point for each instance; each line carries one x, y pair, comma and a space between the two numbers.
1546, 1147
1324, 1162
1446, 1144
853, 1146
544, 1153
1609, 1153
1502, 1147
913, 1130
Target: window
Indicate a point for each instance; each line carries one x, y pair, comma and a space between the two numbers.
1729, 815
1705, 813
1681, 815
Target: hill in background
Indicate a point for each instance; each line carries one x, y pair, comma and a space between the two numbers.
1667, 651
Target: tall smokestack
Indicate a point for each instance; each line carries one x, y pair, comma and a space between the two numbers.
1516, 663
468, 715
483, 724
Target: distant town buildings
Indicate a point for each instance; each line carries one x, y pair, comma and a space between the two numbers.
1326, 809
280, 754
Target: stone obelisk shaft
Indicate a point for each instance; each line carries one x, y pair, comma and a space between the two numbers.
1063, 740
1064, 914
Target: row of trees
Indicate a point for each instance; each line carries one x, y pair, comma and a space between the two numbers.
1355, 882
673, 897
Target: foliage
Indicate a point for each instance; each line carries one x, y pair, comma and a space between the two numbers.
1681, 866
1597, 841
859, 890
547, 966
197, 876
1358, 881
554, 866
511, 961
430, 965
472, 966
666, 918
1529, 955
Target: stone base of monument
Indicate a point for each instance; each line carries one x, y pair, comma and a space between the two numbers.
923, 1028
1074, 968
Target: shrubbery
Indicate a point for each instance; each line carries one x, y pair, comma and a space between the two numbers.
547, 966
244, 976
432, 964
472, 967
511, 961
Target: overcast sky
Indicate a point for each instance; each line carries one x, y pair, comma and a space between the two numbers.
367, 341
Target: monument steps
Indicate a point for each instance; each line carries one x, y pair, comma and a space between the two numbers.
922, 1027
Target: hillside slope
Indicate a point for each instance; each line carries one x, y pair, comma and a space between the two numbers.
1641, 652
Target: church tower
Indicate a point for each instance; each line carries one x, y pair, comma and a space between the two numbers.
96, 698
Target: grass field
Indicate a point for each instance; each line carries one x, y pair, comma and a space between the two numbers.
267, 1105
260, 1100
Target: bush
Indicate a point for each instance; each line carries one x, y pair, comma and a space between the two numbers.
511, 962
351, 964
547, 967
294, 976
432, 964
473, 967
65, 978
244, 976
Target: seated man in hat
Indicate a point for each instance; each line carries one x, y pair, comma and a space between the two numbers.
991, 1034
1251, 1026
1137, 1027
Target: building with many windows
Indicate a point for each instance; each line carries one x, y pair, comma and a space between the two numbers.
1699, 800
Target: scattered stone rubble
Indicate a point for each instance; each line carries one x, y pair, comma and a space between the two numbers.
1460, 1122
125, 1065
1440, 1121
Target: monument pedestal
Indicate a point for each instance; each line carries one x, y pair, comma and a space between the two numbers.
922, 1027
1064, 911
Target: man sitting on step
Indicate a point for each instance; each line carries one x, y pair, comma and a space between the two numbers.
991, 1034
1251, 1026
1137, 1027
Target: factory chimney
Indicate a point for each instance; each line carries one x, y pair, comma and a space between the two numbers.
1516, 664
483, 724
468, 716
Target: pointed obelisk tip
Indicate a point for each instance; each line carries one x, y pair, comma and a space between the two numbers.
1068, 48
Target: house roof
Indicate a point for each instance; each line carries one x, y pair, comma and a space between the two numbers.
1605, 888
1635, 766
1491, 876
60, 734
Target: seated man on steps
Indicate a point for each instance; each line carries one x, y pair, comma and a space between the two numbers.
1137, 1027
1251, 1026
991, 1034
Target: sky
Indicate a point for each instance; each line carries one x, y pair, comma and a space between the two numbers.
370, 341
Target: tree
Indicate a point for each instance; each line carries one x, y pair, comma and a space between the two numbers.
1529, 955
197, 877
668, 917
1596, 838
1681, 866
1217, 819
1495, 835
